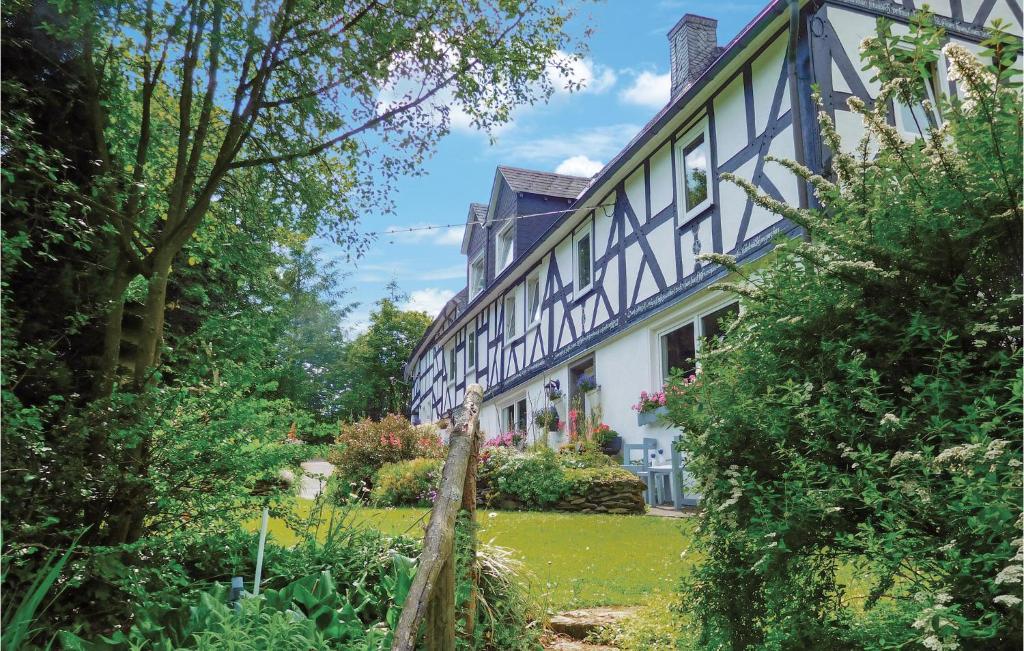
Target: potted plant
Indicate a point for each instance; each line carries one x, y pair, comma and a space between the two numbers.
607, 439
586, 383
546, 418
650, 407
553, 390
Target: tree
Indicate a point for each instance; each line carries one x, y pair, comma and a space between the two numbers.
864, 411
196, 110
374, 381
181, 97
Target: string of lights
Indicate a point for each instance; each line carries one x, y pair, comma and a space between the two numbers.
431, 227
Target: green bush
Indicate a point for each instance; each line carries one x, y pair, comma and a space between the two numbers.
533, 479
407, 483
864, 411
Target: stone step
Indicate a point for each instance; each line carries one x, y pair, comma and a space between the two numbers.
578, 624
560, 643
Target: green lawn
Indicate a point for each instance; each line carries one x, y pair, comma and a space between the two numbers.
572, 560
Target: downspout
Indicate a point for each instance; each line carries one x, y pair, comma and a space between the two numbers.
794, 95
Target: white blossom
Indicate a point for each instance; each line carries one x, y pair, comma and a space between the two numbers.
1007, 600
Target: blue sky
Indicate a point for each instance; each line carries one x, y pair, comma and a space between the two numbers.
626, 77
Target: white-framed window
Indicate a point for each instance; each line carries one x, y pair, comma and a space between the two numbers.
513, 416
680, 344
533, 300
452, 358
693, 165
583, 260
471, 347
477, 275
914, 119
510, 316
503, 248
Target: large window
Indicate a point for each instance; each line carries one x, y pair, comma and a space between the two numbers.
510, 317
477, 276
503, 249
533, 300
583, 267
514, 416
679, 351
679, 346
693, 162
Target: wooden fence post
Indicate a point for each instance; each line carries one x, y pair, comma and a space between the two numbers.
433, 588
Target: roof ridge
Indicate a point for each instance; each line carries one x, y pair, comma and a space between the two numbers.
533, 171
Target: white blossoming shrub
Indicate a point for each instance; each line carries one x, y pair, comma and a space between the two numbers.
857, 435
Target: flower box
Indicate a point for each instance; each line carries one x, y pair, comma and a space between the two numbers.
650, 417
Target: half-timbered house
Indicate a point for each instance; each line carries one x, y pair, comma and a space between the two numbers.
570, 276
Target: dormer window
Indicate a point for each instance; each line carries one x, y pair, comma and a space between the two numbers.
503, 249
477, 276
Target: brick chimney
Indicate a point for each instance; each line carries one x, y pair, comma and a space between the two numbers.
693, 46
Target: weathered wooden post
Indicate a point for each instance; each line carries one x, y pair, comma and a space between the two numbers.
432, 594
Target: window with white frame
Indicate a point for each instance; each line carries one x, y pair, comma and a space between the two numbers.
451, 362
681, 344
693, 160
471, 348
503, 248
510, 316
914, 118
533, 300
583, 260
514, 416
477, 275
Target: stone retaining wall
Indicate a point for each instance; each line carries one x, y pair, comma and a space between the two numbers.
618, 495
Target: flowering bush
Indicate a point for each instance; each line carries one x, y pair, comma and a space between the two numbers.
407, 483
649, 402
865, 409
513, 439
533, 479
364, 446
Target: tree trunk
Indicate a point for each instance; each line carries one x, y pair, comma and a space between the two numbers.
469, 505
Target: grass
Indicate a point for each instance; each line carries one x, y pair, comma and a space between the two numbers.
572, 560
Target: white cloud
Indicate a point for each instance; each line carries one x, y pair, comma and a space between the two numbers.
579, 165
450, 236
581, 73
648, 89
597, 144
429, 300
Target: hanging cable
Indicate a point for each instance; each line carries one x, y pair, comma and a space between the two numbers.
431, 227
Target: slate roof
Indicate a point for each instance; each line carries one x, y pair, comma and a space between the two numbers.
479, 211
546, 183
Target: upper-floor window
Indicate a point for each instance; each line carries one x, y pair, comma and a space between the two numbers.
693, 162
913, 119
583, 260
533, 300
451, 362
471, 348
477, 275
510, 316
503, 248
